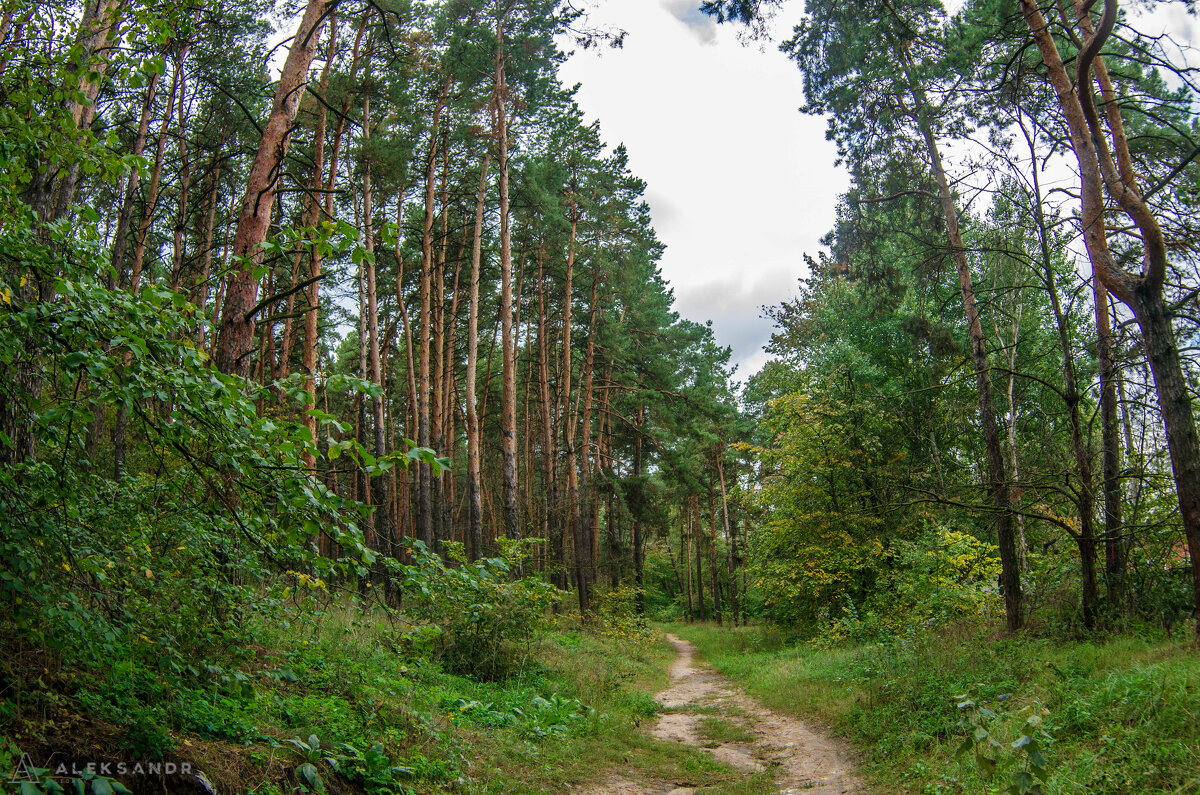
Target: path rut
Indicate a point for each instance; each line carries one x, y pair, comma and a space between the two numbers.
804, 760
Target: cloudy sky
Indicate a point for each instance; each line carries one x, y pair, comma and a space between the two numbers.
740, 183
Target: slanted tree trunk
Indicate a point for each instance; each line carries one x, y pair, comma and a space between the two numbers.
235, 340
998, 486
139, 249
125, 217
48, 194
1110, 170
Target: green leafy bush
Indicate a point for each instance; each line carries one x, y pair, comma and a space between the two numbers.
489, 622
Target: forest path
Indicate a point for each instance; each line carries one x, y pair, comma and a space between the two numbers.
804, 760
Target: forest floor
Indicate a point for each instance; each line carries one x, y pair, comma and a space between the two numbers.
706, 710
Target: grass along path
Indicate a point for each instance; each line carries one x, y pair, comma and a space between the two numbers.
1120, 712
772, 752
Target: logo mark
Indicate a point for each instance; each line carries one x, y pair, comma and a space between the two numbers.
25, 773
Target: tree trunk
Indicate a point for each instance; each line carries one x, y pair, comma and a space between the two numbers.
438, 342
235, 340
125, 218
1114, 545
49, 195
1142, 293
179, 233
998, 486
312, 316
139, 250
712, 549
508, 403
474, 471
731, 535
697, 540
424, 471
586, 535
552, 526
685, 562
635, 530
384, 526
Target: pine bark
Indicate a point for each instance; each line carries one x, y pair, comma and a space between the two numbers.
425, 471
235, 340
508, 402
474, 471
384, 525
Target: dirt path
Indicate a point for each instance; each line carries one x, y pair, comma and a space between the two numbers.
803, 760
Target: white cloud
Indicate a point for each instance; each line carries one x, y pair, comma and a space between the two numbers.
740, 183
688, 12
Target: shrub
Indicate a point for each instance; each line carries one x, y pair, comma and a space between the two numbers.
489, 622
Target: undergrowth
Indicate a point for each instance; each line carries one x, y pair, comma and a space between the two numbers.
337, 698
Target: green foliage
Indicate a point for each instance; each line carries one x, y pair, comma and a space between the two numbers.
42, 782
489, 624
616, 613
977, 723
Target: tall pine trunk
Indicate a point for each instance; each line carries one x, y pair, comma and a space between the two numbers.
508, 400
474, 472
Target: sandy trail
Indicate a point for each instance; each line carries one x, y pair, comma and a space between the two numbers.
804, 760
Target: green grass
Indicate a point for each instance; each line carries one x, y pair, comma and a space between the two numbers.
1124, 713
576, 709
718, 731
572, 711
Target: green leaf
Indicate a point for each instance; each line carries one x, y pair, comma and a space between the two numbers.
310, 777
